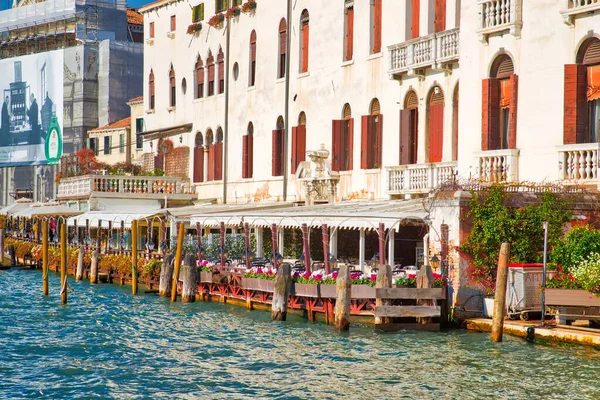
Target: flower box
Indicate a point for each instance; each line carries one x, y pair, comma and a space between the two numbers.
194, 28
571, 297
327, 291
363, 292
305, 290
206, 277
263, 285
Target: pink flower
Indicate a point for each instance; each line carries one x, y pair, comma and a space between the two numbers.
306, 275
318, 277
373, 277
334, 275
259, 270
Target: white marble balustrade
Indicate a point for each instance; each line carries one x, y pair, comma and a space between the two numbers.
419, 178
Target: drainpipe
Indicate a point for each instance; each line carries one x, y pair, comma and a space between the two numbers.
226, 131
286, 114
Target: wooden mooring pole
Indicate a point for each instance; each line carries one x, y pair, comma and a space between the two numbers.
343, 288
63, 262
166, 274
45, 256
384, 281
1, 246
94, 267
79, 272
180, 234
500, 298
134, 257
188, 276
281, 293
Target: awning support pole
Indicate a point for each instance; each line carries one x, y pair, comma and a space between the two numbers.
361, 250
391, 247
333, 239
259, 242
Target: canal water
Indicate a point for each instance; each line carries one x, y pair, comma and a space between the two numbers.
107, 343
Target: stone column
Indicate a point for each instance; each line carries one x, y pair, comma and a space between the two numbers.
361, 250
259, 242
391, 247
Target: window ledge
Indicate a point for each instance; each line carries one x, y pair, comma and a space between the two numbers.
150, 41
280, 80
345, 173
372, 171
375, 56
347, 63
151, 111
198, 100
171, 34
171, 109
303, 74
251, 88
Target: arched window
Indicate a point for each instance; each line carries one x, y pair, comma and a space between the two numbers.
210, 61
413, 12
173, 100
199, 158
455, 125
342, 141
304, 34
282, 48
409, 132
221, 63
199, 78
247, 152
299, 142
375, 26
436, 124
277, 149
218, 155
151, 89
582, 96
211, 155
499, 122
252, 69
348, 29
371, 136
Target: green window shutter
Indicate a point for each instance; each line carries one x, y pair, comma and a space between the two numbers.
201, 12
194, 13
110, 144
122, 143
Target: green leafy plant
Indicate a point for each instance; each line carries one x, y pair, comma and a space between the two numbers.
580, 242
587, 273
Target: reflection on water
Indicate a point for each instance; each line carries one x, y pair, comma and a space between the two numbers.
107, 343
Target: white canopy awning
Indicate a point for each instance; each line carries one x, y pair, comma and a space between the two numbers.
346, 215
117, 211
17, 206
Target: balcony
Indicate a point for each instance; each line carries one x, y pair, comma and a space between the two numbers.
572, 8
498, 16
497, 165
140, 187
433, 51
419, 178
578, 163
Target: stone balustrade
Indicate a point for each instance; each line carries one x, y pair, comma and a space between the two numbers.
419, 178
578, 163
498, 16
497, 165
572, 8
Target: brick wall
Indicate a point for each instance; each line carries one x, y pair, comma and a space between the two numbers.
178, 161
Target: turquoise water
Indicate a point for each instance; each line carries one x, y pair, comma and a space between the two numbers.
107, 343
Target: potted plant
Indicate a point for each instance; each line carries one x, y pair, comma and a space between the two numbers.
305, 286
578, 288
194, 28
249, 6
261, 279
216, 21
232, 12
363, 286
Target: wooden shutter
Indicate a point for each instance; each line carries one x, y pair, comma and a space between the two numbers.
173, 23
349, 33
405, 145
439, 24
277, 153
377, 26
576, 110
221, 75
211, 72
336, 133
436, 132
250, 157
490, 129
294, 149
211, 163
365, 134
151, 29
245, 156
416, 15
350, 144
282, 38
219, 161
202, 12
512, 112
300, 145
378, 140
198, 164
158, 160
305, 47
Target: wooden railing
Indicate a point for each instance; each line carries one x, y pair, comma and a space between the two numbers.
427, 51
419, 178
579, 162
572, 8
498, 16
498, 165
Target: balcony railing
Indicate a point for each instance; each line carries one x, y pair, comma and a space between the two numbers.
419, 178
499, 16
579, 162
572, 8
431, 51
124, 186
498, 165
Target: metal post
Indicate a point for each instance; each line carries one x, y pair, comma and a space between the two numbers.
544, 273
226, 131
286, 102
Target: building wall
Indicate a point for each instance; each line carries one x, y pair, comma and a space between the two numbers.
136, 112
116, 154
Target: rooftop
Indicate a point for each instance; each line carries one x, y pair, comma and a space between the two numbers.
134, 17
124, 123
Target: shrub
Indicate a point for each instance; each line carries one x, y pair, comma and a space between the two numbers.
587, 273
580, 242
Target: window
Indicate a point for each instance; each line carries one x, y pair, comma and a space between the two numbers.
210, 173
348, 30
409, 129
375, 26
455, 125
211, 74
173, 23
199, 78
218, 155
299, 142
139, 128
122, 143
439, 22
93, 145
499, 97
413, 14
199, 158
247, 152
151, 89
173, 99
371, 135
221, 63
436, 124
198, 13
282, 48
304, 35
220, 5
252, 73
151, 29
107, 145
236, 3
277, 149
343, 141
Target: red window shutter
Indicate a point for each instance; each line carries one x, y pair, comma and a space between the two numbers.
219, 161
377, 26
576, 110
305, 36
211, 163
211, 72
221, 75
416, 15
365, 133
512, 112
198, 164
277, 153
490, 129
301, 144
336, 151
436, 132
439, 24
250, 159
282, 42
405, 145
151, 29
349, 33
245, 156
253, 51
294, 149
350, 144
379, 140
